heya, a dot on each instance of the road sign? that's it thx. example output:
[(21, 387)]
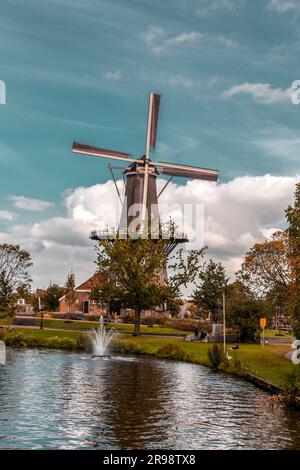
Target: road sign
[(262, 322)]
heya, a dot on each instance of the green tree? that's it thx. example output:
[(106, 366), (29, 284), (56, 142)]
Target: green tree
[(134, 274), (243, 311), (14, 275), (208, 294), (51, 297), (293, 218), (70, 294)]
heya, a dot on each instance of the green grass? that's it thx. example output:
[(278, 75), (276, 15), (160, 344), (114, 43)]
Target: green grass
[(85, 325), (274, 334), (31, 332)]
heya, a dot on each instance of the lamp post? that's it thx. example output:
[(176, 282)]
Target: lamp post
[(42, 308)]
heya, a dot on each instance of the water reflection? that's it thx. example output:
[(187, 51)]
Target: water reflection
[(57, 400)]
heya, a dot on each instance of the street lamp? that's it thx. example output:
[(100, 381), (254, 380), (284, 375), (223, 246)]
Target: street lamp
[(42, 308)]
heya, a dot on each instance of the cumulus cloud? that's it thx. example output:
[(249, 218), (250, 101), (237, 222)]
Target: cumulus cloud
[(30, 204), (7, 215), (237, 214), (261, 92)]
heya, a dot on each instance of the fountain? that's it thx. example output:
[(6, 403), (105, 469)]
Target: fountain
[(2, 353), (101, 339)]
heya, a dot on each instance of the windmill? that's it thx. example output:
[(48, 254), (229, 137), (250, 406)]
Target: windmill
[(141, 198)]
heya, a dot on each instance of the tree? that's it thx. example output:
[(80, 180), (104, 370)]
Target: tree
[(267, 267), (133, 274), (208, 293), (51, 297), (243, 311), (14, 275), (293, 231), (70, 295)]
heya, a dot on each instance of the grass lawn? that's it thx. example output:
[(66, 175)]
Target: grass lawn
[(47, 333), (85, 325), (274, 334)]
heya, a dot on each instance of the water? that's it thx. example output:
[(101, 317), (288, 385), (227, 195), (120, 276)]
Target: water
[(69, 401)]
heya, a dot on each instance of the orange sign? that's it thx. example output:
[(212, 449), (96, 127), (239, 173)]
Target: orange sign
[(262, 322)]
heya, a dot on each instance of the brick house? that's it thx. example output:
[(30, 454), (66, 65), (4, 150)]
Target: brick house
[(83, 303)]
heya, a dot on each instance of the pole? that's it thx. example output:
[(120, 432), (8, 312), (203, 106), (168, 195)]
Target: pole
[(263, 337), (224, 324), (42, 318)]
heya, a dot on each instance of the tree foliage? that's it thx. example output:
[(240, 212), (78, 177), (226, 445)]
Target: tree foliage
[(51, 297), (243, 311), (14, 275), (70, 295), (293, 231), (267, 266), (134, 274), (208, 294)]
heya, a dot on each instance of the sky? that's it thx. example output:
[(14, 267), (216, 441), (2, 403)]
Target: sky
[(82, 70)]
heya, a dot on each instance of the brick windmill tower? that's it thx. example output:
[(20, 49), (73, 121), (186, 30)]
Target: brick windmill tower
[(140, 205)]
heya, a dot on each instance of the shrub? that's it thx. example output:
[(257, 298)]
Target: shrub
[(84, 343), (15, 340), (18, 340), (293, 385), (216, 356), (296, 330), (175, 351), (124, 347)]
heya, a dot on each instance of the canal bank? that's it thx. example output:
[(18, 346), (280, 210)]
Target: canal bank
[(266, 367)]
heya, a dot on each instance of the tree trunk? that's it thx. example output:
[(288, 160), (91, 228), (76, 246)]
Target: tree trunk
[(137, 322)]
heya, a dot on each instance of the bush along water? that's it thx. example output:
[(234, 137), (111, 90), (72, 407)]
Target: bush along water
[(216, 357), (18, 340)]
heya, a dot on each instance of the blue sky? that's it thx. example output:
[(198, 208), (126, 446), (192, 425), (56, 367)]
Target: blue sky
[(82, 69)]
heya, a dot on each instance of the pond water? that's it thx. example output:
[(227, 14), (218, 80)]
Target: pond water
[(55, 400)]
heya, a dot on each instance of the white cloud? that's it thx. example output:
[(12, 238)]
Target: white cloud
[(237, 214), (282, 6), (261, 92), (7, 215), (30, 204), (113, 75), (155, 38)]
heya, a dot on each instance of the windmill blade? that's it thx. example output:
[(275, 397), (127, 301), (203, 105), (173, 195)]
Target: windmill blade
[(186, 171), (154, 101), (99, 152)]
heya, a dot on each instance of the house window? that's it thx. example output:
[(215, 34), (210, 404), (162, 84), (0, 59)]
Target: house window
[(77, 301)]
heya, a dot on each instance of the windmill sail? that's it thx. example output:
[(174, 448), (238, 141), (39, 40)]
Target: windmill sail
[(140, 205), (154, 119), (186, 171), (100, 152)]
